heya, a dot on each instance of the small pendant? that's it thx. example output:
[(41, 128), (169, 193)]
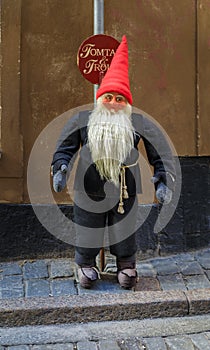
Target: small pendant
[(125, 193), (121, 209)]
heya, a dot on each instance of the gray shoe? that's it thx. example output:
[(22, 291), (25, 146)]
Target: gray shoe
[(127, 278), (126, 272), (87, 276)]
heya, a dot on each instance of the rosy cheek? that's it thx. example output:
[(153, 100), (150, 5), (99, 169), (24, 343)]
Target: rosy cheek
[(108, 105), (121, 105), (115, 106)]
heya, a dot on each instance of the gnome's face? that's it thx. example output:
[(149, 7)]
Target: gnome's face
[(110, 135), (114, 101)]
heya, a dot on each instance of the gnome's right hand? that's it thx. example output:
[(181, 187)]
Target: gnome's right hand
[(59, 178)]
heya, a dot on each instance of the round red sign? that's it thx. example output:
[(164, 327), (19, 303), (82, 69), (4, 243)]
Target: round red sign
[(95, 55)]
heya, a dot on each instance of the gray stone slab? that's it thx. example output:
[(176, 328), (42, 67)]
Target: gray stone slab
[(200, 341), (36, 269), (205, 250), (133, 344), (61, 268), (204, 262), (18, 347), (183, 257), (147, 283), (204, 253), (37, 288), (191, 268), (203, 258), (12, 287), (155, 343), (146, 270), (179, 343), (7, 269), (60, 346), (162, 261), (207, 272), (172, 282), (166, 267), (196, 282), (87, 345), (103, 286), (63, 287), (108, 344)]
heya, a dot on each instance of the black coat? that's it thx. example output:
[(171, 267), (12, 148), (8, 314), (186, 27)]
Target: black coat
[(74, 138)]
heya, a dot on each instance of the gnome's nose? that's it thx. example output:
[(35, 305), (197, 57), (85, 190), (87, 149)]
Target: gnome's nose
[(114, 105)]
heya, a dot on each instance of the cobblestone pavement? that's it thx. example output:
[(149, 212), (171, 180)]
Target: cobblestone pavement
[(190, 342), (43, 278), (56, 277), (159, 334)]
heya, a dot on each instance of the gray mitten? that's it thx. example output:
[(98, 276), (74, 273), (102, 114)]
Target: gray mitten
[(163, 193), (59, 179)]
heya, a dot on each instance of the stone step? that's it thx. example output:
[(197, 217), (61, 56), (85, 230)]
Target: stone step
[(103, 307), (149, 334)]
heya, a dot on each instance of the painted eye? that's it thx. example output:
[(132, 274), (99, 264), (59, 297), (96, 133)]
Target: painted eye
[(108, 97), (120, 99)]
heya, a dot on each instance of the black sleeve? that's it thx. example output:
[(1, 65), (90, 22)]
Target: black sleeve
[(160, 154), (67, 145), (163, 167)]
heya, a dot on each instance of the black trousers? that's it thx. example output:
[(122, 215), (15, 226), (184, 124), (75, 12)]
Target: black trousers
[(92, 216)]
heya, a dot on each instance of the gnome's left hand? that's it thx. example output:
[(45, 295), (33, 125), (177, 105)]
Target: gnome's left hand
[(163, 193), (59, 179)]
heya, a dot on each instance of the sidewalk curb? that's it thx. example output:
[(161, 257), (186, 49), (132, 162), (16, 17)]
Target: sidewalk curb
[(92, 332), (103, 307)]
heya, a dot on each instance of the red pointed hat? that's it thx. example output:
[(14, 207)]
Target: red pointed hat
[(116, 78)]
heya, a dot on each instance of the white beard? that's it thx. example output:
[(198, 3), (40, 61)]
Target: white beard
[(110, 136)]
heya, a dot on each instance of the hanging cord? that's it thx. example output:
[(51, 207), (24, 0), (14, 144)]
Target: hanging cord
[(123, 187), (159, 207)]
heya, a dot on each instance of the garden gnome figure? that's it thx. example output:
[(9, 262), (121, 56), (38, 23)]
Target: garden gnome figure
[(109, 142)]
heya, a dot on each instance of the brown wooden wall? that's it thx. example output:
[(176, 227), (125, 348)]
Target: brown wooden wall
[(169, 50)]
